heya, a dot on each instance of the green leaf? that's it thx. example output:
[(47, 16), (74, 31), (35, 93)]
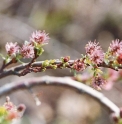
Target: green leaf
[(39, 51), (18, 57), (2, 56), (74, 71), (99, 71), (7, 59)]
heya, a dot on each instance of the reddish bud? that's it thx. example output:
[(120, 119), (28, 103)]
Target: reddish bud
[(114, 118), (120, 112), (119, 58), (66, 59), (21, 107), (79, 65)]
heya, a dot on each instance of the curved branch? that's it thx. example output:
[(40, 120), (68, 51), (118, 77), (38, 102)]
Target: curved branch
[(60, 81)]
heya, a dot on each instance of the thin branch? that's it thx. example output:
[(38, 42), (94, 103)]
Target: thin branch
[(38, 67), (17, 69), (60, 81)]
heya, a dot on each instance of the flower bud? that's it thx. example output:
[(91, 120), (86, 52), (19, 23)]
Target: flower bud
[(66, 59), (120, 112), (114, 118)]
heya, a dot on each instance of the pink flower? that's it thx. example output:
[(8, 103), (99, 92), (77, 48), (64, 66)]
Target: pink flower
[(115, 47), (27, 51), (13, 112), (21, 109), (91, 47), (98, 83), (97, 56), (94, 52), (11, 109), (39, 37), (10, 106), (12, 48), (79, 65)]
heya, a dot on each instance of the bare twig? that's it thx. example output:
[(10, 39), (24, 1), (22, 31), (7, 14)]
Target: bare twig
[(60, 81), (4, 65), (28, 67), (17, 69)]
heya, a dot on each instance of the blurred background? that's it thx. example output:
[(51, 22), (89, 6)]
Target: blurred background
[(70, 24)]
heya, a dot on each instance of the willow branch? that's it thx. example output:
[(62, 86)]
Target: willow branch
[(60, 81)]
